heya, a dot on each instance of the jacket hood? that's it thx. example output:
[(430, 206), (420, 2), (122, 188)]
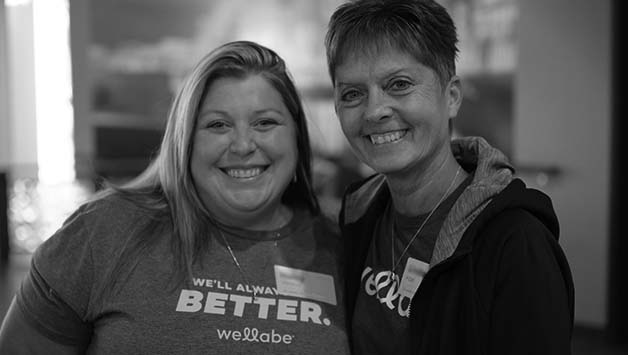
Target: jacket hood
[(491, 191), (491, 173)]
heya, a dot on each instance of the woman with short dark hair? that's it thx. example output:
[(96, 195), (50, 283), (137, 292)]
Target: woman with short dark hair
[(447, 252)]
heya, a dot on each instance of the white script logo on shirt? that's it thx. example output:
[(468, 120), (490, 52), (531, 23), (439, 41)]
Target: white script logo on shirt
[(393, 291)]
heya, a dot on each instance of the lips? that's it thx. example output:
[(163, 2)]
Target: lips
[(387, 137), (244, 172)]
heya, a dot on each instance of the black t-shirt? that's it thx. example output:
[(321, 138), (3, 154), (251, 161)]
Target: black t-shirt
[(381, 317)]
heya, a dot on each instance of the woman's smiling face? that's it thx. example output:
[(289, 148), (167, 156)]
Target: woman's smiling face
[(244, 151), (394, 110)]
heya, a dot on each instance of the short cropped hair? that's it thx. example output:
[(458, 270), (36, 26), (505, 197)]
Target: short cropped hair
[(421, 28)]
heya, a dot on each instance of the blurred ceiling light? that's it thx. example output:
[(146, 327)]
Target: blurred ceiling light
[(53, 91)]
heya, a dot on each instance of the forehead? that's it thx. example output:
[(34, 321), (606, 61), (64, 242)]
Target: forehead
[(234, 93), (375, 62), (227, 85)]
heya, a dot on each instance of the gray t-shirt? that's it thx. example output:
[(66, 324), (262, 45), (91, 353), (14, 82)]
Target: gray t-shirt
[(293, 272)]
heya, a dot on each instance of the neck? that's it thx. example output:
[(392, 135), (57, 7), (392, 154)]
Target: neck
[(420, 189), (269, 221)]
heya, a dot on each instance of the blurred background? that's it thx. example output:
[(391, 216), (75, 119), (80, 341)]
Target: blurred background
[(85, 86)]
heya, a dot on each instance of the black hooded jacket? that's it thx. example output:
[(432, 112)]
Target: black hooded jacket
[(498, 283)]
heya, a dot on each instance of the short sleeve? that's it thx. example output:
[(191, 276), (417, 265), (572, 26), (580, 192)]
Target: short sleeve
[(46, 312), (64, 262), (62, 296)]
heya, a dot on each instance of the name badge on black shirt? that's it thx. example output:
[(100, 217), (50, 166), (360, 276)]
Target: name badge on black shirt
[(412, 276)]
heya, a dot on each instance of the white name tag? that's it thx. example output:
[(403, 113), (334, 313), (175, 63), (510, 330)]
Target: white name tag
[(412, 276), (305, 284)]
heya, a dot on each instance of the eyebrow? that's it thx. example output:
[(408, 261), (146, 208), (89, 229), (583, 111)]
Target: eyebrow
[(384, 76), (225, 113), (268, 110)]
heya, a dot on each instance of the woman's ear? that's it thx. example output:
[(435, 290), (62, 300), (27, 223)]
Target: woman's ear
[(454, 95)]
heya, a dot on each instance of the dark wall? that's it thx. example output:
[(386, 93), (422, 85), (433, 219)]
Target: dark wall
[(122, 152), (618, 264), (134, 20)]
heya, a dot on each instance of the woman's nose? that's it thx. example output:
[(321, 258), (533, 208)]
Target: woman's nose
[(377, 107), (243, 142)]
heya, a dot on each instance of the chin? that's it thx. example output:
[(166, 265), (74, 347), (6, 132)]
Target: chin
[(247, 206), (386, 166), (250, 202)]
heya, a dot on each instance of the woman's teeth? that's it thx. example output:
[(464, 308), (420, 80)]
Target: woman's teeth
[(388, 137), (244, 173)]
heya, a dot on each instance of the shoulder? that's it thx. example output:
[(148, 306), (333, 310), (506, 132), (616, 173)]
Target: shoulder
[(517, 248), (517, 213), (95, 220), (114, 206), (93, 235), (360, 196), (76, 258), (516, 242), (516, 220), (323, 227), (514, 226)]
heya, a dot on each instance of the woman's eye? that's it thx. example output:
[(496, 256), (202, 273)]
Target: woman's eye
[(266, 123), (350, 95), (400, 85), (217, 126)]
